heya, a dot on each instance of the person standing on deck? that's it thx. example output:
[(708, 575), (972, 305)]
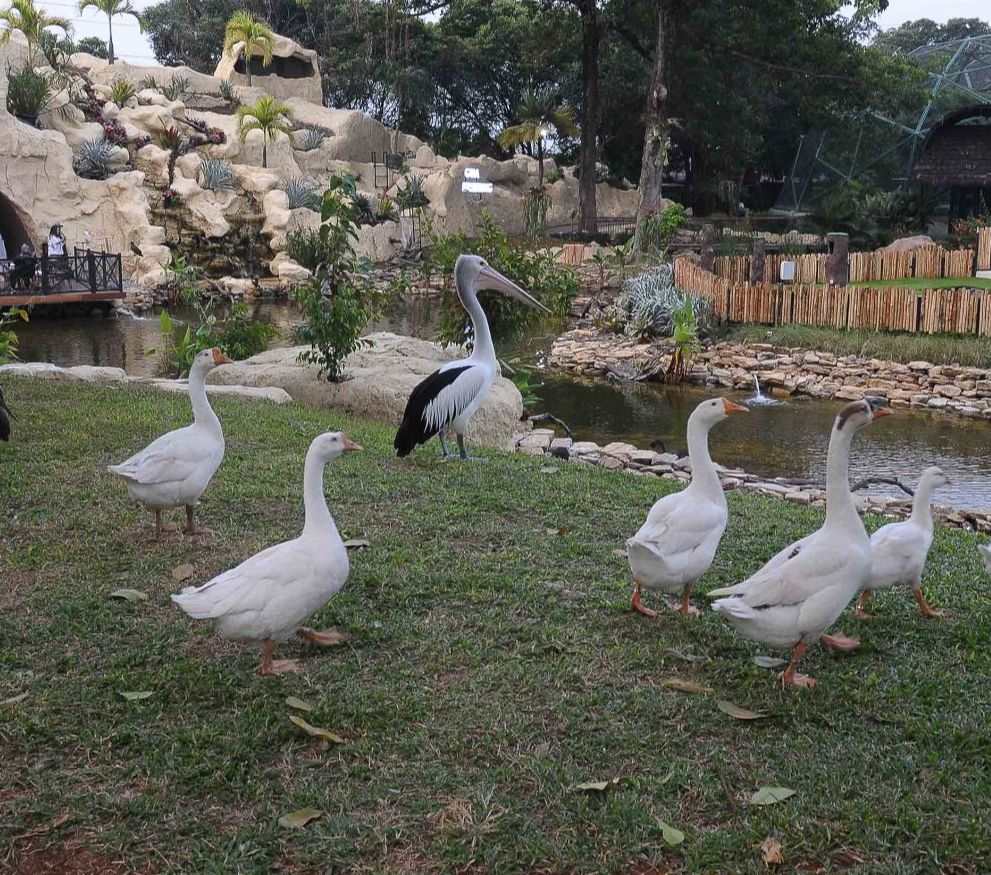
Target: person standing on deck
[(56, 242)]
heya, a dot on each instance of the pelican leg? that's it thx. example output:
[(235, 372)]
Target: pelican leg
[(445, 452), (464, 452)]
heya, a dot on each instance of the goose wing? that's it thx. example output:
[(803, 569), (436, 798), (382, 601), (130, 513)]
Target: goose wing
[(675, 525), (168, 459), (897, 548)]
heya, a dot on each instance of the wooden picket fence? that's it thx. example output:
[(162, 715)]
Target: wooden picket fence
[(984, 249), (927, 261), (894, 308)]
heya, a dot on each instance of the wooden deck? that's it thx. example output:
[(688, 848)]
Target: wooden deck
[(18, 299)]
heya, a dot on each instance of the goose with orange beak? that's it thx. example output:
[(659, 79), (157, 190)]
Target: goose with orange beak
[(450, 396), (175, 469), (268, 597), (676, 545), (803, 589)]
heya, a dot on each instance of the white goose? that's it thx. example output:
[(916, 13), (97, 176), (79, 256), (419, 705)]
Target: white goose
[(267, 597), (802, 590), (175, 469), (449, 397), (677, 543), (985, 551), (899, 550)]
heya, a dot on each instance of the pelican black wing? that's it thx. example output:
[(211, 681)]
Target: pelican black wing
[(414, 429)]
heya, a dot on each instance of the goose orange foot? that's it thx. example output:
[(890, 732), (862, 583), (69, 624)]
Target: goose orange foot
[(924, 608), (790, 676), (326, 638), (271, 666), (859, 611), (638, 605), (686, 608), (840, 642)]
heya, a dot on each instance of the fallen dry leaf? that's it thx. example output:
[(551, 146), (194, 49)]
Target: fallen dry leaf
[(738, 712), (298, 704), (685, 686), (128, 595), (134, 695), (183, 572), (770, 850), (770, 662), (356, 543), (597, 786), (771, 795), (297, 819), (671, 835), (316, 731), (13, 700), (54, 823)]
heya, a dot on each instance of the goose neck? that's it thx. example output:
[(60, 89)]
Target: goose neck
[(922, 513), (705, 478), (203, 414), (317, 515), (840, 506)]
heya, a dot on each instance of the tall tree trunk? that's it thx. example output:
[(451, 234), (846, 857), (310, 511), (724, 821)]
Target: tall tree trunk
[(110, 39), (591, 36), (265, 149), (247, 65), (656, 121), (540, 163)]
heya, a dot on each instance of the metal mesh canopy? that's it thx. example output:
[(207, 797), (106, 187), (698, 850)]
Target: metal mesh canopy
[(880, 148)]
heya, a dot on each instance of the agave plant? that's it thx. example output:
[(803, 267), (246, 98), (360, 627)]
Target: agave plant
[(94, 159), (536, 203), (412, 196), (178, 87), (147, 82), (308, 139), (121, 91), (29, 93), (385, 209), (216, 175), (649, 304), (228, 91), (362, 209), (301, 193)]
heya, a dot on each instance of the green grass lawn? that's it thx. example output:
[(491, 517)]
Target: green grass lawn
[(493, 665), (948, 282)]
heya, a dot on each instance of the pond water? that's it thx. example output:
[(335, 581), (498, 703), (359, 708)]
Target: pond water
[(785, 439)]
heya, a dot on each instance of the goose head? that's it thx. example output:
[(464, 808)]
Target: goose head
[(933, 477), (716, 410), (332, 444), (473, 274), (208, 359), (859, 414)]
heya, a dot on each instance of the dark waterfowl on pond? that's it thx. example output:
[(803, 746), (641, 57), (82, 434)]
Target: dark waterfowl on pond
[(5, 417)]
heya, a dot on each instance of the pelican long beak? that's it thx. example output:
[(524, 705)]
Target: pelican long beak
[(350, 446), (732, 407), (489, 278)]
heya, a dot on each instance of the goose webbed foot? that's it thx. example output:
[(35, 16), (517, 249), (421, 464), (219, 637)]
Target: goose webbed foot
[(924, 607), (325, 638), (686, 608), (790, 676), (638, 605), (271, 666), (859, 611), (840, 642)]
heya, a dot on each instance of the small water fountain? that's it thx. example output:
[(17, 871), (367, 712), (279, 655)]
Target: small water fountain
[(760, 399)]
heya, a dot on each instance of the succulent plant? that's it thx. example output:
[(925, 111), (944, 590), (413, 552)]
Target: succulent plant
[(228, 91), (301, 193), (217, 175), (121, 91), (308, 139), (650, 303), (178, 87), (94, 159)]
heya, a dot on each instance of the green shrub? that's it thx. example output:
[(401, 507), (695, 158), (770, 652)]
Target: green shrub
[(340, 299), (177, 89), (536, 203), (242, 335), (364, 213), (553, 284), (649, 306), (228, 91), (29, 93), (555, 174), (412, 196), (303, 245), (385, 210), (655, 233), (8, 337)]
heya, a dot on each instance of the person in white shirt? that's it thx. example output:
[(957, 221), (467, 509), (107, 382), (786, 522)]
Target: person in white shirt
[(56, 242), (3, 249)]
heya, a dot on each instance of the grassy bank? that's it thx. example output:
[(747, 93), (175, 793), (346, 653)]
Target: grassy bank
[(946, 282), (940, 349), (493, 666)]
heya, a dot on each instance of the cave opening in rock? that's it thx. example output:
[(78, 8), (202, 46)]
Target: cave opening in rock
[(12, 229), (285, 68)]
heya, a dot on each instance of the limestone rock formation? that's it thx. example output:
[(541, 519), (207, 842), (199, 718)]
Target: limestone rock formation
[(294, 71), (379, 379)]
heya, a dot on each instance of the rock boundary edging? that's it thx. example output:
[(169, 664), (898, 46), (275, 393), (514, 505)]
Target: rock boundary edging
[(619, 456), (954, 389)]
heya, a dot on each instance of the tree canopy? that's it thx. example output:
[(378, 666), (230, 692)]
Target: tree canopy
[(744, 80)]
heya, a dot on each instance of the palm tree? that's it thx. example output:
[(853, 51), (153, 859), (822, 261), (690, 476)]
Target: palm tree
[(24, 16), (268, 115), (539, 114), (243, 27), (112, 8)]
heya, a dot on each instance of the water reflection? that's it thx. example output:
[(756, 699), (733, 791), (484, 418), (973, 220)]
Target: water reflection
[(781, 440)]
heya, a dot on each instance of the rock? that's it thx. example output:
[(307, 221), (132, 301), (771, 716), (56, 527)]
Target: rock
[(610, 462), (540, 442), (378, 381), (909, 244), (581, 448), (257, 393), (294, 71), (920, 366), (77, 374), (564, 444)]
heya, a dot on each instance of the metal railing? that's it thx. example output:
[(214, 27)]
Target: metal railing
[(81, 272)]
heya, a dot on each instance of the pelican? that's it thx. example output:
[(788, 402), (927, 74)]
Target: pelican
[(449, 397), (5, 417)]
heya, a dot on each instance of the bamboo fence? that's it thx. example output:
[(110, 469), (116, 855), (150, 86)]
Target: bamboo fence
[(894, 308), (984, 249)]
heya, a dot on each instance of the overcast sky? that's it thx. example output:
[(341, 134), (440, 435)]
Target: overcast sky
[(132, 46)]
